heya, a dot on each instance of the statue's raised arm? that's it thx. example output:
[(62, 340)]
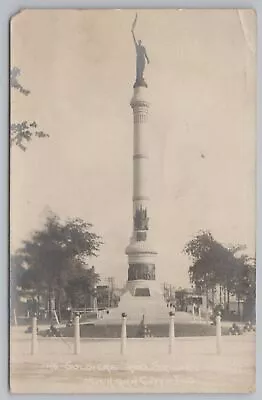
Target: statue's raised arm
[(133, 30), (141, 58), (134, 38)]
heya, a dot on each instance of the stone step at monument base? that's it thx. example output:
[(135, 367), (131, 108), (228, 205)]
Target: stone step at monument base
[(141, 298), (153, 308)]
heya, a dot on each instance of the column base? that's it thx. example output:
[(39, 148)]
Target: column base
[(144, 288)]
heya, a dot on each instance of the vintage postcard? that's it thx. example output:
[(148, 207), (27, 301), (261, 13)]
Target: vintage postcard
[(132, 199)]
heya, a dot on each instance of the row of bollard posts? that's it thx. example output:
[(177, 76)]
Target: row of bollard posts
[(34, 341), (171, 333)]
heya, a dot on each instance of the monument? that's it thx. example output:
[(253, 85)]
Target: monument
[(142, 302), (143, 298), (141, 255)]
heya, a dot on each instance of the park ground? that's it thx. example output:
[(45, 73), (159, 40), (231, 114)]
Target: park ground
[(146, 367)]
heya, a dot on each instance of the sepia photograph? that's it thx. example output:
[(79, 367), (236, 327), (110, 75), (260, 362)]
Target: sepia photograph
[(132, 201)]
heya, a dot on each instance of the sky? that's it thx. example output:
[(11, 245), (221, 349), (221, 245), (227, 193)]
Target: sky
[(80, 66)]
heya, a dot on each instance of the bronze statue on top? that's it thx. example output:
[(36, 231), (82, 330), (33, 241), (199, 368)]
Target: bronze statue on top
[(141, 59)]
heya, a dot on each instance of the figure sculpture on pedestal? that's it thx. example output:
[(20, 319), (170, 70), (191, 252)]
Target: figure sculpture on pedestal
[(141, 58), (141, 219)]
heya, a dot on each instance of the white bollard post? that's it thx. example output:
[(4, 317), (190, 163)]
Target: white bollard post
[(218, 333), (171, 332), (15, 318), (123, 334), (193, 311), (77, 334), (34, 343)]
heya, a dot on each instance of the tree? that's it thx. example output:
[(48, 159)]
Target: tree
[(53, 253), (214, 264), (245, 280), (16, 272), (204, 252), (80, 286), (22, 132)]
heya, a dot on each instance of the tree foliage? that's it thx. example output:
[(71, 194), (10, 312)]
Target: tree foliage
[(80, 286), (22, 132), (57, 256), (17, 271), (14, 83), (214, 264)]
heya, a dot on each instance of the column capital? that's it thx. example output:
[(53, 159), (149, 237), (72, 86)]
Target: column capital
[(138, 103), (139, 98)]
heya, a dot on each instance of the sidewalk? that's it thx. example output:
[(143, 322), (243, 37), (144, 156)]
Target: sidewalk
[(193, 367)]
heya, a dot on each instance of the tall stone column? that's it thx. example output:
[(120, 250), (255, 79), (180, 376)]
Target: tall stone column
[(141, 256)]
